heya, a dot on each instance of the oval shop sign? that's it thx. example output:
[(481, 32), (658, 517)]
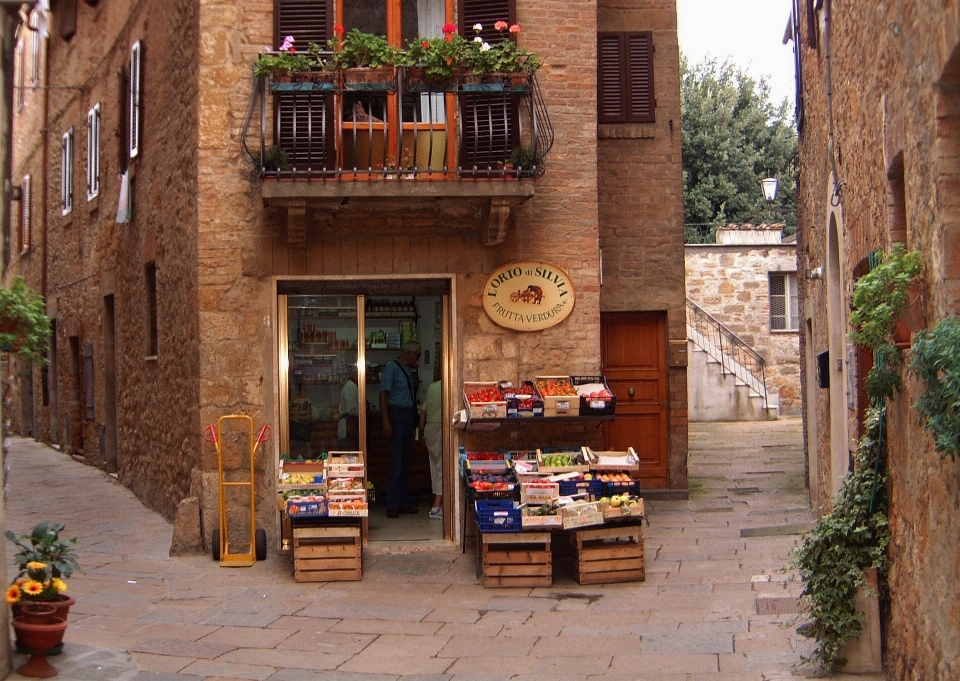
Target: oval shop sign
[(528, 296)]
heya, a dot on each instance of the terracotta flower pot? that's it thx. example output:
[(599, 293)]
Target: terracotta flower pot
[(39, 633), (61, 608)]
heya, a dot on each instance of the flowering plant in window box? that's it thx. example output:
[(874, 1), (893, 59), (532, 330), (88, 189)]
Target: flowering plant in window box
[(287, 65), (503, 57), (438, 59)]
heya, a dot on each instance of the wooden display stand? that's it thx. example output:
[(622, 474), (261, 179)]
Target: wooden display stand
[(609, 554), (330, 553), (516, 559)]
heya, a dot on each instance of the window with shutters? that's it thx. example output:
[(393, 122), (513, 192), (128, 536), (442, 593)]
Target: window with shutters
[(784, 313), (625, 78), (68, 18), (26, 215), (66, 172), (19, 70), (93, 152), (35, 50), (135, 87)]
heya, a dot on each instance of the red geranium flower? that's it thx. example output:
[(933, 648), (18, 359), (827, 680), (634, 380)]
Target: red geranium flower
[(338, 29), (449, 28), (425, 44), (515, 28), (500, 25)]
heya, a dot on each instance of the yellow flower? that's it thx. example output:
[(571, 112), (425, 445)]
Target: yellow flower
[(13, 594), (36, 565), (59, 585), (32, 587)]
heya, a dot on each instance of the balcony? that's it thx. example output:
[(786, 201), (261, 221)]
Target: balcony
[(361, 138)]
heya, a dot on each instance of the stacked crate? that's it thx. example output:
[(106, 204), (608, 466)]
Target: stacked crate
[(516, 559), (330, 553), (609, 554)]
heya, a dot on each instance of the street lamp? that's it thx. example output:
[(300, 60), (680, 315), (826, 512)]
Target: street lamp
[(769, 186)]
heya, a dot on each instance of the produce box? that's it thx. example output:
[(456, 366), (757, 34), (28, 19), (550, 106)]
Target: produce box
[(562, 461), (327, 554), (484, 400), (559, 396), (485, 485), (581, 515), (498, 516), (538, 492), (604, 555), (301, 467), (572, 487), (345, 485), (596, 398), (523, 401), (613, 461), (353, 504), (307, 506), (531, 519), (632, 508), (618, 486), (348, 464), (515, 559)]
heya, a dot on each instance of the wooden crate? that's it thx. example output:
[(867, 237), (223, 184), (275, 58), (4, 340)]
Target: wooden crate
[(327, 554), (516, 559), (609, 554)]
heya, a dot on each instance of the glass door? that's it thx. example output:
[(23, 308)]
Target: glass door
[(323, 388)]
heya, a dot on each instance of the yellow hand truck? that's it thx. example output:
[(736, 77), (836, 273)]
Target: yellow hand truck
[(257, 546)]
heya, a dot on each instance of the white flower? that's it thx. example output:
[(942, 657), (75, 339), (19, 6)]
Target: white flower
[(477, 27), (478, 39), (485, 47)]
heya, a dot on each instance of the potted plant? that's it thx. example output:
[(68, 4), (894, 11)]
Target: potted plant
[(879, 300), (367, 60), (504, 63), (24, 325), (288, 67), (44, 561), (271, 159), (434, 63)]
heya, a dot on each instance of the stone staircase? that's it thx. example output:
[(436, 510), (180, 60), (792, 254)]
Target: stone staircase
[(725, 376)]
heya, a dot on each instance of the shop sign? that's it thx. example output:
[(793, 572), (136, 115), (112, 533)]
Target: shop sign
[(528, 296)]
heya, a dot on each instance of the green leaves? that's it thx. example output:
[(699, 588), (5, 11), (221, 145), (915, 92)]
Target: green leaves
[(936, 361), (44, 545), (24, 325), (732, 137)]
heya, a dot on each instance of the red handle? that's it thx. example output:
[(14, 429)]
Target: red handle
[(264, 433), (210, 434)]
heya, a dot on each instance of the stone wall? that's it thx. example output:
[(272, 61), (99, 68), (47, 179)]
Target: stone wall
[(894, 70), (731, 282)]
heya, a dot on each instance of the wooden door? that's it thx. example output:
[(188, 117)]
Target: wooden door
[(633, 346)]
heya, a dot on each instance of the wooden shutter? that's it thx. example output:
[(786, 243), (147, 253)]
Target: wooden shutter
[(305, 125), (68, 18), (308, 21), (66, 173), (487, 132), (625, 78), (136, 86), (123, 101), (486, 13), (26, 228)]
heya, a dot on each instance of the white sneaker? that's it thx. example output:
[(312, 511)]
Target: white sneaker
[(436, 513)]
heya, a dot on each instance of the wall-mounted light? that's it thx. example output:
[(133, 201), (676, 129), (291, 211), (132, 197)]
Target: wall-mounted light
[(815, 273), (769, 186), (16, 193)]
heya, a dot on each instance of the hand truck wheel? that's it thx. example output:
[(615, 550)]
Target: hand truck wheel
[(216, 544), (261, 544)]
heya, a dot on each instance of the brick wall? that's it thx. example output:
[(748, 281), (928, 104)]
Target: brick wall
[(894, 80)]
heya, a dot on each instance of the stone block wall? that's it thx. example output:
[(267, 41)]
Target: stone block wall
[(731, 282), (892, 92)]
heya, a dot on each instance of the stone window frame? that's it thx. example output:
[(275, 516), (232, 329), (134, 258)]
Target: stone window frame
[(66, 172), (93, 152), (789, 320)]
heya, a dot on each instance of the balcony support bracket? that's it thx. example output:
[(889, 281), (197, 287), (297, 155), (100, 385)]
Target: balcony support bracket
[(494, 228), (297, 223)]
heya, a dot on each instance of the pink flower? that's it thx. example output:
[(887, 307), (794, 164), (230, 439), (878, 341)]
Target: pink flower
[(515, 28), (449, 28), (500, 25), (287, 44)]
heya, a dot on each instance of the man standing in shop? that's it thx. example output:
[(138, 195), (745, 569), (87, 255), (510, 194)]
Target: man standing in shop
[(398, 405)]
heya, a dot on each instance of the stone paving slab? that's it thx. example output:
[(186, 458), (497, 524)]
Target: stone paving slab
[(423, 616)]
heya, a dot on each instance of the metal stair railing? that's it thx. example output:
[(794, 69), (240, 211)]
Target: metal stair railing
[(734, 355)]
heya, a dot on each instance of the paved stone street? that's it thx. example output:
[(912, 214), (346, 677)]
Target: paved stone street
[(714, 605)]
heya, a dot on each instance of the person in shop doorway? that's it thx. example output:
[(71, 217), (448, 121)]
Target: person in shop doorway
[(398, 405), (432, 429), (348, 427)]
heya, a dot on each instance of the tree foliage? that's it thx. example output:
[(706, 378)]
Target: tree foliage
[(734, 136)]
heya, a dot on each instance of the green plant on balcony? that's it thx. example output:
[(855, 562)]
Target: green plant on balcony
[(24, 325), (505, 56), (357, 49), (440, 58), (272, 158), (937, 362), (288, 60)]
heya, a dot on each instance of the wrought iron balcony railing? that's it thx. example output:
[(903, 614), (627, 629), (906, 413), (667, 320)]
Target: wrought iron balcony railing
[(380, 126)]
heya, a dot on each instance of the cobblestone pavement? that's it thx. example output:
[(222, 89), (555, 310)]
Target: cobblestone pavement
[(714, 607)]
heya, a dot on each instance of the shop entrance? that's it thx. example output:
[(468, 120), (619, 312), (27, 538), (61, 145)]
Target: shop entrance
[(633, 346), (335, 338)]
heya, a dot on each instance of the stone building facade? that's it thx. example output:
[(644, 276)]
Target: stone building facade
[(179, 309), (878, 127), (734, 280)]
